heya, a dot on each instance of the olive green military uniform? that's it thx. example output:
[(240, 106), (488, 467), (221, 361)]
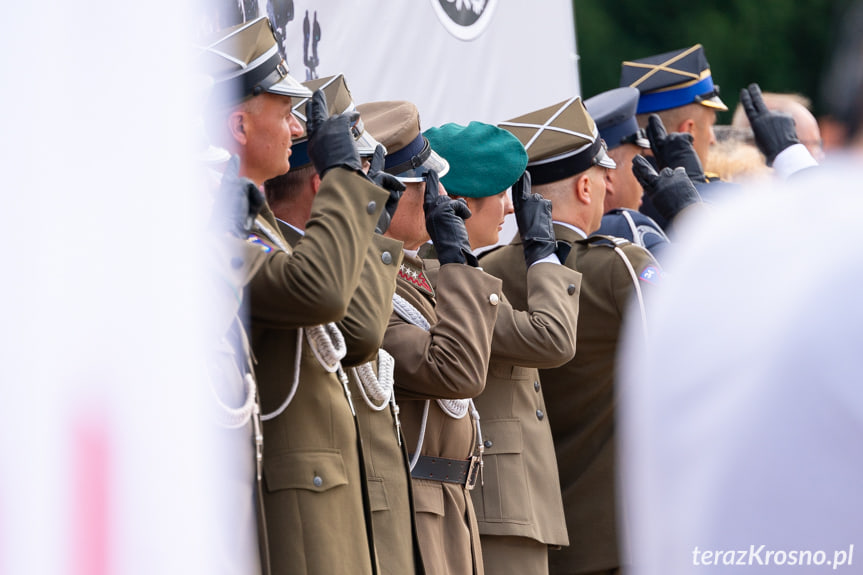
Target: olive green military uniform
[(448, 361), (579, 395), (315, 499), (386, 463), (520, 496)]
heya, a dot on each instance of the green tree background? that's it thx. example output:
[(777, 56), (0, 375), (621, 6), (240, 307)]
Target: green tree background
[(783, 45)]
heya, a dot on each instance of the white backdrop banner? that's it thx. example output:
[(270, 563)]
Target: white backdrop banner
[(457, 60)]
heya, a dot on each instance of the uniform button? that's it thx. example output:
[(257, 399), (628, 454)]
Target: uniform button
[(371, 207), (494, 299), (387, 258), (539, 414), (488, 443), (536, 386), (571, 289), (236, 263), (317, 481)]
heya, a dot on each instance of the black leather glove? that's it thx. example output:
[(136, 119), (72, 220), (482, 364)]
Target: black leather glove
[(445, 224), (331, 143), (388, 182), (669, 190), (237, 202), (674, 150), (774, 131), (533, 217)]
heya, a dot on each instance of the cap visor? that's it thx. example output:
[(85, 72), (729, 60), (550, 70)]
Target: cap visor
[(715, 103), (366, 144), (604, 159), (433, 162), (289, 86)]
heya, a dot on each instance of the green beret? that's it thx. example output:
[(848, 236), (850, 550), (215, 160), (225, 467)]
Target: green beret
[(484, 160)]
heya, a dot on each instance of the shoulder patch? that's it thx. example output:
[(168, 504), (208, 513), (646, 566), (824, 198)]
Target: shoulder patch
[(651, 275), (416, 277), (253, 239)]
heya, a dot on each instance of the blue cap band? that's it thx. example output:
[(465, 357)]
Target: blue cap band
[(657, 101), (408, 157), (300, 154), (614, 135)]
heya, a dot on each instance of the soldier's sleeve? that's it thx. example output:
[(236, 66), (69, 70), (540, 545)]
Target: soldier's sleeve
[(372, 303), (451, 359), (314, 284), (544, 335)]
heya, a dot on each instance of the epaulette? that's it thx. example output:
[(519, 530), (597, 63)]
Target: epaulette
[(608, 241)]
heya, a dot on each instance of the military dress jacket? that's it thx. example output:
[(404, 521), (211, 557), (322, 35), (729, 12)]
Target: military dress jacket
[(520, 493), (315, 498), (231, 263), (384, 454), (449, 361), (580, 395)]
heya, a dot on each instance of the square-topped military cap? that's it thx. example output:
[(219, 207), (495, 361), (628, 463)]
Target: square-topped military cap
[(614, 114), (396, 124), (561, 141), (339, 101), (244, 61), (671, 80)]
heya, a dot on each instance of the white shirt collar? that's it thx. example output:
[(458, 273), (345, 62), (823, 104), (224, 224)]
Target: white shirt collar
[(293, 227), (576, 229)]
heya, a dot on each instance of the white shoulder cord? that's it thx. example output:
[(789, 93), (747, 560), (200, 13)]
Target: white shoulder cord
[(632, 228), (638, 293), (235, 418), (455, 408), (326, 342), (294, 384), (376, 388), (250, 410)]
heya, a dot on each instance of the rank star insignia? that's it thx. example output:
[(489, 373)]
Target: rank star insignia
[(416, 278)]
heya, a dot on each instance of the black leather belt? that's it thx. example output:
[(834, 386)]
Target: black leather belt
[(461, 471)]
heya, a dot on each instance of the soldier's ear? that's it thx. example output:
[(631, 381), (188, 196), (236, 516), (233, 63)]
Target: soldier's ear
[(583, 189), (237, 126), (687, 125)]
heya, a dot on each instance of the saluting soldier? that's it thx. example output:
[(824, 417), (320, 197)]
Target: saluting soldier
[(315, 499), (440, 336), (614, 114), (371, 379), (518, 502), (567, 163), (678, 87), (232, 262)]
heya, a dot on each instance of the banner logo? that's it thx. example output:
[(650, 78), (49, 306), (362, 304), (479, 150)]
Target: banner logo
[(464, 19)]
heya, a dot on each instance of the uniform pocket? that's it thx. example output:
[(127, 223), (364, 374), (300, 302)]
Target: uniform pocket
[(316, 471), (378, 494), (428, 496), (504, 496)]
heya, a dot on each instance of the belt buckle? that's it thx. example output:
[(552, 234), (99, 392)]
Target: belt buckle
[(473, 471)]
